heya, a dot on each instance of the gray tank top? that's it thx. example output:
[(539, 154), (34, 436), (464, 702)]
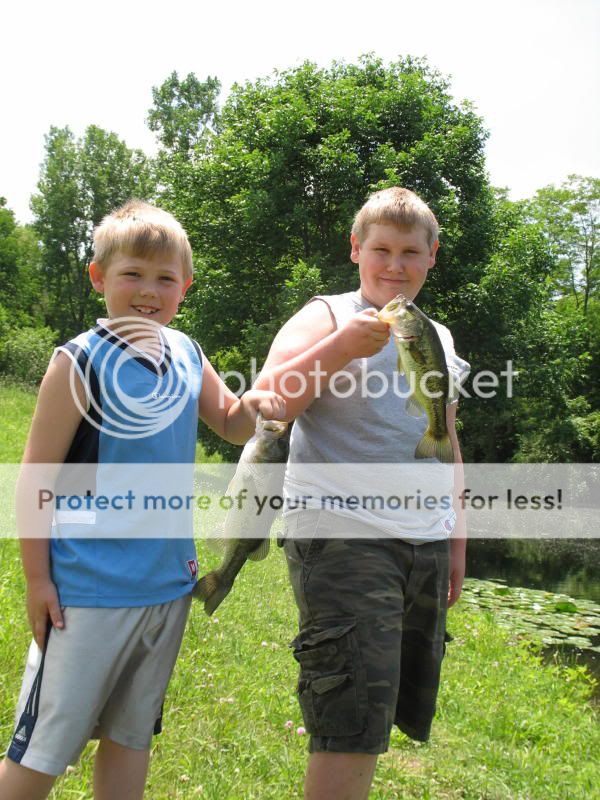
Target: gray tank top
[(360, 443)]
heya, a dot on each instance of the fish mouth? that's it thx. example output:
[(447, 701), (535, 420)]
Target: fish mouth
[(387, 316), (277, 428), (273, 425)]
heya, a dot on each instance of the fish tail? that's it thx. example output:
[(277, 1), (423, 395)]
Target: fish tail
[(432, 446), (212, 590)]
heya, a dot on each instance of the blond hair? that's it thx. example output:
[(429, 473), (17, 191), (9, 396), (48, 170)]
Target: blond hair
[(396, 206), (144, 231)]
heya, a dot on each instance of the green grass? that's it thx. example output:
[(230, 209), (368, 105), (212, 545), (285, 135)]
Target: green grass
[(17, 403), (508, 726)]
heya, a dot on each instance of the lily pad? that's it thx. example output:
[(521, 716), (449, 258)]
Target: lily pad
[(566, 608), (551, 619)]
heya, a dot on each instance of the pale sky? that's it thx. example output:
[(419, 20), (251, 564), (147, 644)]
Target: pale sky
[(531, 67)]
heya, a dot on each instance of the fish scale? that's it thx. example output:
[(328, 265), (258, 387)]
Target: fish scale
[(246, 535), (420, 352)]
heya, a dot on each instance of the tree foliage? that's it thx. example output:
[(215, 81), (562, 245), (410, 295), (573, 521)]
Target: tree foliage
[(275, 177), (21, 288), (570, 217), (182, 110), (81, 181)]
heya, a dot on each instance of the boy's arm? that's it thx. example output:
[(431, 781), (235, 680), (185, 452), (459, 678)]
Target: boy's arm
[(458, 540), (309, 349), (230, 417), (53, 427)]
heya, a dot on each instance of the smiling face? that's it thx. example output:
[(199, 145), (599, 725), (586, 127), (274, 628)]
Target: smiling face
[(150, 289), (392, 260)]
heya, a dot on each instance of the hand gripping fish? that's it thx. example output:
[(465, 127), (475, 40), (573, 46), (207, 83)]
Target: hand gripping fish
[(422, 359), (246, 534)]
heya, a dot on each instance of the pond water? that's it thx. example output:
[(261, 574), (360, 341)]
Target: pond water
[(564, 566), (568, 567)]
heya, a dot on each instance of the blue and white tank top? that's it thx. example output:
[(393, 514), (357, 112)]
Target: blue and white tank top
[(142, 412)]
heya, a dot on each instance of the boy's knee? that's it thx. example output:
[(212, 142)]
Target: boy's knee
[(21, 783)]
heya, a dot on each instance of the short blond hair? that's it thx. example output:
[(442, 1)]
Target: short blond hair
[(396, 206), (144, 231)]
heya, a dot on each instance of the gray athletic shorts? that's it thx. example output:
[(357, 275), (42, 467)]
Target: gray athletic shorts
[(372, 631), (104, 674)]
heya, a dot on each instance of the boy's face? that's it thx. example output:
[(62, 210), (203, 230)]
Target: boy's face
[(392, 260), (141, 287)]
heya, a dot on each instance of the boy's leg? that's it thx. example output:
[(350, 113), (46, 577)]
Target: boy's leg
[(119, 772), (349, 592), (423, 635), (339, 776), (21, 783)]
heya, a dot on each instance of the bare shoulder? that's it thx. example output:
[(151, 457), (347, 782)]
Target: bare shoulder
[(62, 382), (61, 402), (311, 324)]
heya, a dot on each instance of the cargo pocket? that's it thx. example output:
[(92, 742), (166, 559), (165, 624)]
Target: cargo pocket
[(332, 688)]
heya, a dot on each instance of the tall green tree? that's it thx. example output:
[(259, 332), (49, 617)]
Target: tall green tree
[(21, 286), (513, 313), (182, 116), (269, 190), (182, 110), (8, 254), (570, 217), (81, 181)]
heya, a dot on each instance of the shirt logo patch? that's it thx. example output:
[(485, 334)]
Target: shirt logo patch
[(450, 521), (193, 567)]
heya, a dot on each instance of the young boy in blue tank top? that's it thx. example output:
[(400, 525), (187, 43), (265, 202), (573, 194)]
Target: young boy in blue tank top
[(372, 584), (108, 611)]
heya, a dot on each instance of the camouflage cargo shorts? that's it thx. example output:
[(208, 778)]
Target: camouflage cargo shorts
[(372, 630)]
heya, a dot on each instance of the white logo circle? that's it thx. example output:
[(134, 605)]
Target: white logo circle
[(120, 413)]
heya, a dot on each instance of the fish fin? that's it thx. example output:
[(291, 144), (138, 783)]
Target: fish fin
[(212, 591), (261, 551), (413, 407), (431, 446), (217, 543)]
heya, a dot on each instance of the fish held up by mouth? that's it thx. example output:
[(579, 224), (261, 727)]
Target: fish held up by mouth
[(246, 530), (422, 359)]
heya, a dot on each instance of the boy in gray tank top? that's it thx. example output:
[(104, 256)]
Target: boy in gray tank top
[(372, 582)]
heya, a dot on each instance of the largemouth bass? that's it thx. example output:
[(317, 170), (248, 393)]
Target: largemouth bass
[(422, 359), (246, 533)]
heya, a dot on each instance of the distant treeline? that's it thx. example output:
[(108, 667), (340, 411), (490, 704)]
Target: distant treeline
[(266, 185)]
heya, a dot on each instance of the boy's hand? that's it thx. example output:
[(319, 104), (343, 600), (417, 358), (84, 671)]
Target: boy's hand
[(364, 334), (270, 404), (42, 602)]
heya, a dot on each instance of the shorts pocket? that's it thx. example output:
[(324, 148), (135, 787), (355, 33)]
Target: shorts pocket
[(301, 541), (332, 687)]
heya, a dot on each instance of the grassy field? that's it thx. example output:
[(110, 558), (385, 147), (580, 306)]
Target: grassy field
[(508, 726)]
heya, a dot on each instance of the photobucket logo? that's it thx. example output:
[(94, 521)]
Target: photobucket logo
[(374, 384), (116, 405)]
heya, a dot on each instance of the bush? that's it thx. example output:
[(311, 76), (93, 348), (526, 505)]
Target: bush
[(25, 353)]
